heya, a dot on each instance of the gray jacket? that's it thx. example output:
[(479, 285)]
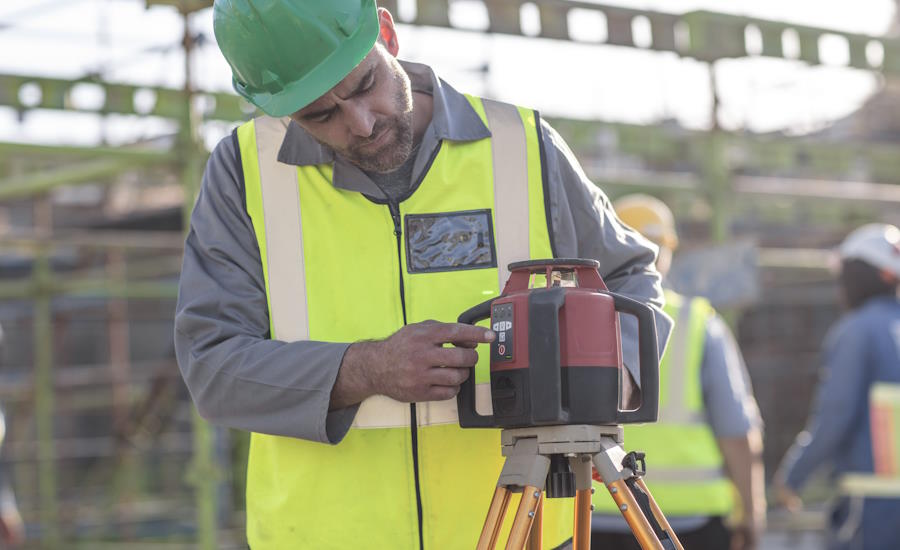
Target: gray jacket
[(240, 378)]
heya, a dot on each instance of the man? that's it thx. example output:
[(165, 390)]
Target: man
[(707, 442), (861, 351), (329, 253), (12, 528)]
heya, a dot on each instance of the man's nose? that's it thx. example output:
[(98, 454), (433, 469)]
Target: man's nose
[(359, 119)]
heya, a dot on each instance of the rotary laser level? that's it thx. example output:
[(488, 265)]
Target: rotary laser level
[(555, 378)]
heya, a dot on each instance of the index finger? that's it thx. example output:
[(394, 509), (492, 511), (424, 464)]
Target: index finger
[(462, 334)]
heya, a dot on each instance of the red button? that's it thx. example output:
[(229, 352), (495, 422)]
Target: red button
[(501, 349)]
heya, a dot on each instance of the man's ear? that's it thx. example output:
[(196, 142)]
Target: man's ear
[(387, 34)]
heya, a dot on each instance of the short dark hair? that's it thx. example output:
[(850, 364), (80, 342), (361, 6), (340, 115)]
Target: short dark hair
[(861, 281)]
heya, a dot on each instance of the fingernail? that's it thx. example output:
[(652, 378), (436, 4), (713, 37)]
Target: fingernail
[(489, 335)]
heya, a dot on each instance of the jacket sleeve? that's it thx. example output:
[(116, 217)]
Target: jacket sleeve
[(584, 225), (839, 406), (236, 375), (729, 405)]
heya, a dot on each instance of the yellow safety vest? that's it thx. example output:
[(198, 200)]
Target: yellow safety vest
[(684, 465), (336, 270)]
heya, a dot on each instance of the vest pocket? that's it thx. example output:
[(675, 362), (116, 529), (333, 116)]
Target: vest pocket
[(450, 241)]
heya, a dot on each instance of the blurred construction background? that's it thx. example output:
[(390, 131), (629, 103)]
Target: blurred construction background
[(772, 130)]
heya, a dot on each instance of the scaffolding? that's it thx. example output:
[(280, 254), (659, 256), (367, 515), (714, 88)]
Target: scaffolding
[(115, 271)]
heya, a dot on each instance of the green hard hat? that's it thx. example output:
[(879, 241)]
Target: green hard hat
[(284, 54)]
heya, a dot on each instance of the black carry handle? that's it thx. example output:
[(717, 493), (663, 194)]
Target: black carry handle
[(544, 368), (649, 360), (465, 399)]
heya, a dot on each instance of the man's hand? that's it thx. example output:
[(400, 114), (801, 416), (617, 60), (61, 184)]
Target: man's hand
[(786, 496), (12, 529), (743, 462), (416, 366), (411, 365), (746, 536)]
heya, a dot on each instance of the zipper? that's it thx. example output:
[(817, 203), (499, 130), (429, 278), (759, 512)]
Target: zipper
[(413, 425), (393, 206), (398, 232)]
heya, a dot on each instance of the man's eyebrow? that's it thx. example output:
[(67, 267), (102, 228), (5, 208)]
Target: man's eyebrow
[(364, 81), (360, 86)]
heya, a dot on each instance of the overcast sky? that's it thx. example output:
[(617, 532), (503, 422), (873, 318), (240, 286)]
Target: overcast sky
[(123, 41)]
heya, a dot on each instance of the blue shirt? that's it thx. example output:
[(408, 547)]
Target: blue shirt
[(861, 349), (728, 402)]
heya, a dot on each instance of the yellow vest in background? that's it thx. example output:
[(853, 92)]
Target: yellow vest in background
[(685, 470), (342, 267)]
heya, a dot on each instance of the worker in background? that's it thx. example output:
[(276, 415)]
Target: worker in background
[(707, 442), (333, 244), (12, 529), (860, 351)]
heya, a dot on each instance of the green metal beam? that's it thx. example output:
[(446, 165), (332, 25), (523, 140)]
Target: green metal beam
[(141, 290), (97, 239), (843, 192), (836, 191), (43, 404), (717, 178), (709, 36), (668, 149), (703, 35), (23, 289), (23, 92), (715, 36), (94, 171), (126, 153), (204, 472)]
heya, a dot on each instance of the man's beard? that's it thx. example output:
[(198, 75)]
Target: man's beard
[(398, 146)]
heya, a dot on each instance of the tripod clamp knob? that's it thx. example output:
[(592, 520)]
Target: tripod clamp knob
[(635, 462)]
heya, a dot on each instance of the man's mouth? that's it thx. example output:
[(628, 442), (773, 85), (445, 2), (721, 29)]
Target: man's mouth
[(378, 141)]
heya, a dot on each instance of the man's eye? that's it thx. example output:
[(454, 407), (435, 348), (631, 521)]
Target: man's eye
[(368, 87), (324, 117)]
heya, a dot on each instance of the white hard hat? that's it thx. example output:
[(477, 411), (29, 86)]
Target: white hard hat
[(876, 244)]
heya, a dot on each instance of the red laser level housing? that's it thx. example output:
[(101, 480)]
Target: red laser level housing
[(557, 358)]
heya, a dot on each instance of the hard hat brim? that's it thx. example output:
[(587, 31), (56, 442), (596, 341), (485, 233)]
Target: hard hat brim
[(876, 244), (322, 78)]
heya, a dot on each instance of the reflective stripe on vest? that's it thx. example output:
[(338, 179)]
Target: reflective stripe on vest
[(884, 422), (332, 273), (684, 465)]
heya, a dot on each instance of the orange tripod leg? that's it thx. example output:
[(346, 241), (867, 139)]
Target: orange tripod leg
[(632, 513), (518, 535), (581, 538), (536, 537), (658, 514), (494, 520)]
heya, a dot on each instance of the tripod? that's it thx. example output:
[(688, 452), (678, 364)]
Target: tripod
[(561, 457)]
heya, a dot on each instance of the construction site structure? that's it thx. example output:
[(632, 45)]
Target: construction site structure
[(105, 444)]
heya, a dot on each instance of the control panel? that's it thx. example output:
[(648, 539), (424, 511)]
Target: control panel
[(502, 325)]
